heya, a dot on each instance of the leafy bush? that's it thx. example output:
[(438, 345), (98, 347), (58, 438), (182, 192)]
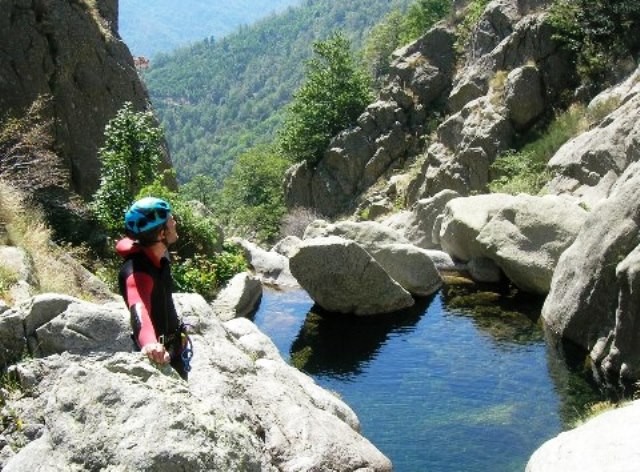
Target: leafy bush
[(206, 274), (519, 172), (251, 203), (601, 32), (525, 171), (336, 91), (130, 159)]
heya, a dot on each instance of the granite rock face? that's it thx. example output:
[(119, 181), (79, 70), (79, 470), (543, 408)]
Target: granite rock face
[(70, 52), (95, 405)]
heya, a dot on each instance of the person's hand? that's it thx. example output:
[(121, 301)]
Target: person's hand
[(157, 353)]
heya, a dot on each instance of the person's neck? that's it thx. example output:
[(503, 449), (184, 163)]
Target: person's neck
[(158, 249)]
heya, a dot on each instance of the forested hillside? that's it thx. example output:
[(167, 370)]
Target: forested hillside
[(218, 98), (152, 26)]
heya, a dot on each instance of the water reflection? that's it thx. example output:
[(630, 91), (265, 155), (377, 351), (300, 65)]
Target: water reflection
[(576, 383), (339, 345), (512, 317)]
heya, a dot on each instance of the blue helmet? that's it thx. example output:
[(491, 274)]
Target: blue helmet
[(146, 214)]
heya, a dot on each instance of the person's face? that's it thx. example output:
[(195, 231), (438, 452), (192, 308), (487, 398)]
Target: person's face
[(170, 231)]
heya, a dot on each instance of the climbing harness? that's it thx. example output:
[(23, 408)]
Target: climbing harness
[(187, 350)]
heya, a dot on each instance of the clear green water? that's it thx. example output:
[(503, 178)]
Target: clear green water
[(464, 381)]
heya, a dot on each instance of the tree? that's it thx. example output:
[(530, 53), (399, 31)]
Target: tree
[(335, 92), (201, 188), (422, 15), (130, 159), (383, 39), (252, 199), (602, 33)]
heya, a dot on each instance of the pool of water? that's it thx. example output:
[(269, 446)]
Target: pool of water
[(464, 381)]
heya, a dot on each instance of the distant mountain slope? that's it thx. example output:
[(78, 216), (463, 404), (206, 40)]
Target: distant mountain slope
[(216, 99), (152, 26)]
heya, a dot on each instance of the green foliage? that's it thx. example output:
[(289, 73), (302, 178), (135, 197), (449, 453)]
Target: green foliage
[(206, 274), (201, 188), (600, 32), (252, 200), (519, 172), (219, 98), (196, 274), (130, 159), (203, 263), (383, 39), (472, 14), (422, 15), (526, 171), (334, 94), (398, 28)]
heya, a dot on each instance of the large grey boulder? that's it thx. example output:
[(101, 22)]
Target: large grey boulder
[(53, 323), (270, 267), (410, 266), (624, 356), (43, 308), (585, 290), (524, 96), (342, 277), (421, 222), (81, 327), (243, 408), (407, 264), (463, 220), (523, 235), (527, 236), (13, 341), (368, 234), (589, 165), (239, 298), (604, 443)]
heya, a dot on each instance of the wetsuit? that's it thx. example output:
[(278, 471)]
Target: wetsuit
[(146, 287)]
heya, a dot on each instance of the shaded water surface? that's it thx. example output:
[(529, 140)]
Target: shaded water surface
[(463, 381)]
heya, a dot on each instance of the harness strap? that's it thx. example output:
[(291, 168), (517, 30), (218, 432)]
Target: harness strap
[(179, 343)]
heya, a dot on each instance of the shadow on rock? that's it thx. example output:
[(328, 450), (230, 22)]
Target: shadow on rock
[(339, 345), (578, 382)]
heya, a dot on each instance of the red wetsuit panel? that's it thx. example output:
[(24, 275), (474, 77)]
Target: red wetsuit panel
[(139, 287)]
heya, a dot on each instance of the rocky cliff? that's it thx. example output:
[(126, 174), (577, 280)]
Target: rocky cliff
[(70, 51), (577, 244), (509, 80)]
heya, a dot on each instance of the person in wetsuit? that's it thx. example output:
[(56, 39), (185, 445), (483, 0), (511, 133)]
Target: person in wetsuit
[(146, 284)]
